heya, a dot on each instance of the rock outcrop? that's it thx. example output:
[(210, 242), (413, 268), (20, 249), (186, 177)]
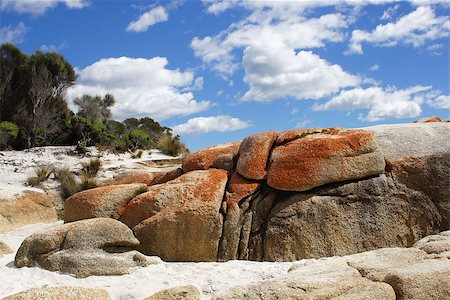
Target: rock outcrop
[(298, 194), (61, 293), (187, 292), (102, 202), (99, 246), (147, 178), (28, 208)]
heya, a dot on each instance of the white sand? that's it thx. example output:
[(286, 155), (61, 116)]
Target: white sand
[(211, 278), (17, 166)]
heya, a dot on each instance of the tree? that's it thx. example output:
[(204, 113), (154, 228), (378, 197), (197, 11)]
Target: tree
[(95, 107)]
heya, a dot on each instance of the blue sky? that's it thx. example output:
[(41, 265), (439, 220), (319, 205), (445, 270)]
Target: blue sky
[(217, 71)]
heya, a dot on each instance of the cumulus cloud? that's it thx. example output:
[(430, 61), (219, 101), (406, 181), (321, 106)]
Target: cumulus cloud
[(39, 7), (390, 12), (142, 87), (381, 103), (150, 18), (11, 34), (203, 125), (441, 101), (415, 28)]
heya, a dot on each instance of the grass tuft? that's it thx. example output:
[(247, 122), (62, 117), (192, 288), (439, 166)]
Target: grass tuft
[(42, 173), (68, 181), (171, 145), (91, 167)]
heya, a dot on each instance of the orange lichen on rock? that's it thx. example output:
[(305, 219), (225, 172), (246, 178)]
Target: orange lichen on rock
[(239, 187), (428, 120), (254, 154), (209, 157), (322, 158)]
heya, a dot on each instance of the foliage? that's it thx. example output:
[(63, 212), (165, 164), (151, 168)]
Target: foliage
[(8, 134), (95, 108), (68, 181), (42, 173), (90, 168), (171, 145)]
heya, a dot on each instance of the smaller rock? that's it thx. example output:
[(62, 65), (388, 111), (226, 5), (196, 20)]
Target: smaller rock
[(254, 153), (61, 293), (147, 178), (435, 244), (206, 158), (187, 292), (5, 249), (428, 120), (102, 202)]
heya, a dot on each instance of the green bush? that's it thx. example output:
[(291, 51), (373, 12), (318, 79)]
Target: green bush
[(138, 138), (8, 135)]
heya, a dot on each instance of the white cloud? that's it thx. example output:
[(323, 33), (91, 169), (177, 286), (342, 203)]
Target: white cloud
[(374, 67), (153, 16), (15, 35), (302, 124), (390, 12), (142, 87), (441, 101), (381, 103), (414, 29), (54, 48), (203, 125), (39, 7)]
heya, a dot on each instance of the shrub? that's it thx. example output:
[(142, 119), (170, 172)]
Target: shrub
[(68, 181), (138, 138), (42, 173), (8, 134), (91, 167), (171, 145)]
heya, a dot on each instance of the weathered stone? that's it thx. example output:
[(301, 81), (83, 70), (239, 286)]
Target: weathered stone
[(147, 178), (187, 292), (254, 153), (435, 244), (5, 249), (83, 248), (187, 225), (428, 120), (206, 158), (102, 202), (317, 159), (61, 293), (362, 215), (323, 279), (28, 208)]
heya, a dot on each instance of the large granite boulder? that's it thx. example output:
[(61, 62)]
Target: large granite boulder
[(61, 293), (187, 223), (28, 208), (148, 178), (254, 153), (316, 159), (213, 157), (100, 246), (187, 292), (102, 202)]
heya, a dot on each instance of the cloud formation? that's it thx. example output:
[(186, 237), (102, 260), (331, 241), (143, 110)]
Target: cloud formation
[(414, 29), (142, 87), (39, 7), (202, 125), (150, 18), (11, 34)]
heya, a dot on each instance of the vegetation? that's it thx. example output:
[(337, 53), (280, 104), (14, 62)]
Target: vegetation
[(90, 168), (68, 181), (137, 154), (42, 173), (34, 110)]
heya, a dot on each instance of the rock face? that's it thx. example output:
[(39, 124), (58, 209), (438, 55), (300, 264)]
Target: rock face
[(61, 293), (188, 226), (388, 273), (320, 158), (83, 248), (188, 292), (29, 208), (5, 249), (296, 194), (210, 157), (148, 178), (102, 202)]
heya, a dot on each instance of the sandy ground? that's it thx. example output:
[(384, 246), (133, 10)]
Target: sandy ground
[(211, 278), (17, 166)]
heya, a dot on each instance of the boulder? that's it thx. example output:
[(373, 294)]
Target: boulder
[(239, 190), (316, 159), (102, 202), (5, 249), (99, 246), (429, 119), (209, 157), (147, 178), (61, 293), (322, 279), (254, 153), (435, 244), (360, 216), (28, 208), (187, 292), (186, 224)]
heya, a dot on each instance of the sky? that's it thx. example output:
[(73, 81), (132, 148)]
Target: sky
[(218, 71)]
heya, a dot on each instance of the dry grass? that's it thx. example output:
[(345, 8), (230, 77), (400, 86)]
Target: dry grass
[(91, 167), (171, 145), (68, 181), (42, 173)]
